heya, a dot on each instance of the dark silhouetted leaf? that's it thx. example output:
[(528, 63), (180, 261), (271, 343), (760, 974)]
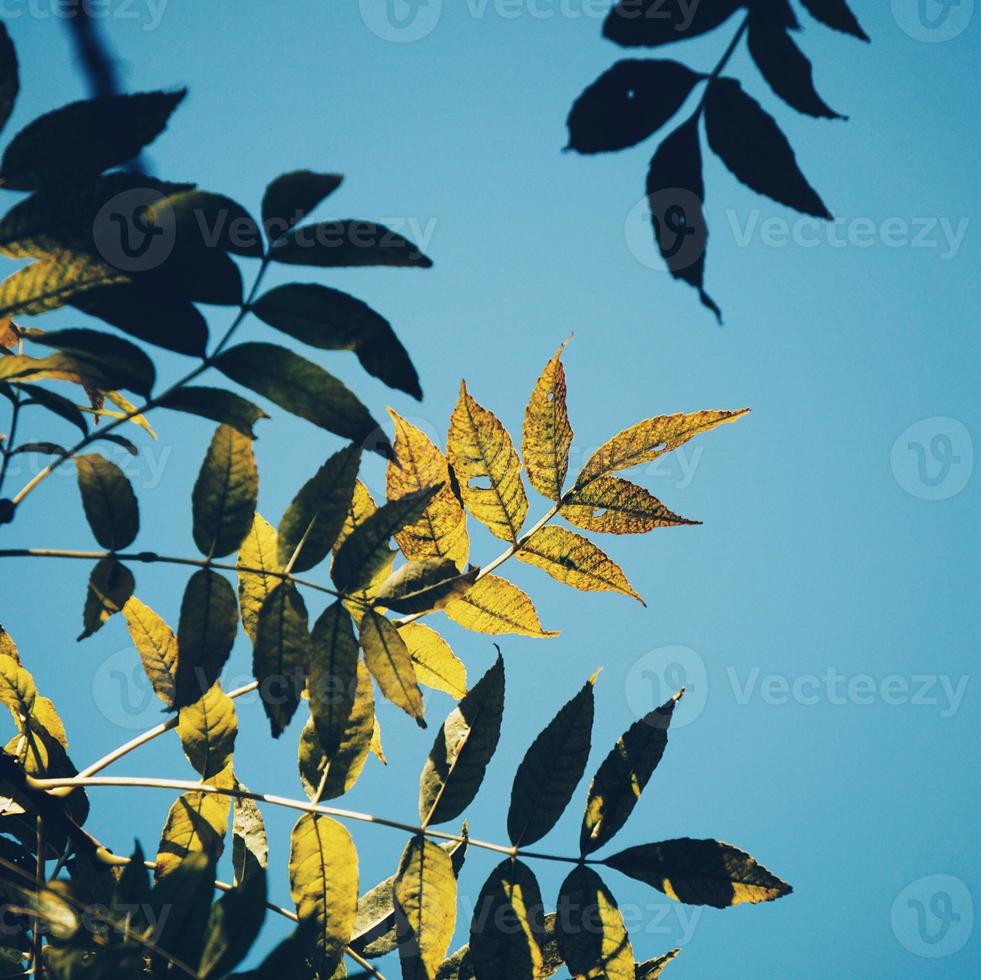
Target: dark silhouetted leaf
[(306, 390), (110, 586), (53, 282), (290, 197), (422, 586), (464, 745), (332, 320), (651, 969), (117, 440), (349, 242), (785, 68), (551, 770), (109, 502), (9, 80), (217, 220), (676, 196), (279, 657), (316, 515), (180, 904), (618, 507), (233, 926), (215, 404), (85, 138), (508, 926), (628, 103), (622, 776), (700, 872), (205, 634), (55, 403), (332, 675), (388, 659), (157, 646), (633, 23), (837, 15), (749, 143), (590, 930), (224, 496)]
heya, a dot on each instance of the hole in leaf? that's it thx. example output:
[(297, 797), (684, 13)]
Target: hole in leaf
[(479, 483)]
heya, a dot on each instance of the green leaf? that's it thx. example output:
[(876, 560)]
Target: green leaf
[(304, 389), (157, 646), (332, 676), (225, 493), (622, 776), (316, 515), (9, 81), (651, 969), (609, 504), (207, 731), (348, 760), (110, 586), (205, 634), (233, 926), (108, 501), (365, 550), (291, 196), (258, 552), (58, 404), (464, 745), (425, 585), (387, 657), (591, 933), (437, 666), (180, 901), (331, 320), (85, 138), (216, 404), (495, 606), (551, 770), (349, 242), (323, 872), (279, 657), (52, 282), (425, 907), (700, 872), (546, 435), (508, 926)]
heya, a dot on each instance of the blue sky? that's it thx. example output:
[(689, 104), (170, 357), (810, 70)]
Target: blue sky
[(821, 615)]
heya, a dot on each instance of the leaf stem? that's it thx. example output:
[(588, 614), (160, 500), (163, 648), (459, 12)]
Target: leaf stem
[(722, 62), (7, 449)]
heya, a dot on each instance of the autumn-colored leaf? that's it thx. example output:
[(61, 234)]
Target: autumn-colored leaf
[(437, 666), (388, 659), (258, 552), (53, 282), (110, 586), (157, 646), (494, 605), (423, 586), (616, 506), (547, 435), (207, 731), (197, 822)]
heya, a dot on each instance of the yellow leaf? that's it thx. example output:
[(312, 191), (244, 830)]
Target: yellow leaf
[(437, 666), (207, 731), (197, 822), (258, 551), (377, 749), (110, 587), (441, 532), (7, 646), (569, 558), (362, 507), (495, 606), (156, 644), (53, 281), (424, 585), (122, 402), (388, 659), (547, 435), (17, 690), (647, 440), (480, 449), (618, 507)]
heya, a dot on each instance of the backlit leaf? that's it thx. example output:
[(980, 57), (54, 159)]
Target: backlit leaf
[(250, 846), (331, 320), (17, 690), (348, 242), (304, 389), (110, 586), (437, 666), (387, 657), (591, 933), (464, 745), (617, 506), (508, 925), (700, 872), (547, 435), (422, 586), (258, 552), (205, 634), (628, 103), (622, 776), (332, 676), (649, 439), (316, 515), (651, 22), (480, 451), (53, 282), (441, 530), (494, 605), (7, 646), (157, 646), (364, 551), (748, 141), (109, 502), (323, 872), (425, 904), (835, 14), (216, 404), (225, 493), (197, 822), (207, 731), (280, 654), (85, 137), (573, 560), (291, 196), (551, 770), (651, 969)]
